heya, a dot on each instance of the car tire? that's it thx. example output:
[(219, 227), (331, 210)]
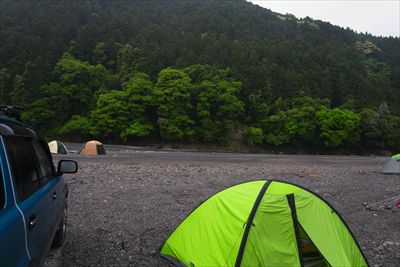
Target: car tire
[(60, 235)]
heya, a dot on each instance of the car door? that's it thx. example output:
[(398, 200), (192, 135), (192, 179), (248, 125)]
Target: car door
[(13, 249), (47, 175), (35, 196), (55, 184)]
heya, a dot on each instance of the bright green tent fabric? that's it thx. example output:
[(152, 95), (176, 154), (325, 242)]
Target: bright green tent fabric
[(396, 156), (211, 234), (258, 224), (272, 242)]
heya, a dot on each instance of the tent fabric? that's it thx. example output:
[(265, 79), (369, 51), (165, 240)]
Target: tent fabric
[(57, 147), (392, 166), (272, 242), (246, 226), (219, 238), (397, 156), (92, 148)]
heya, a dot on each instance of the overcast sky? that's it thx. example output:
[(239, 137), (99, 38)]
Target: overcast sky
[(378, 17)]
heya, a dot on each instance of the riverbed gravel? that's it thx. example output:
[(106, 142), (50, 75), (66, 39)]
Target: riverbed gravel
[(123, 205)]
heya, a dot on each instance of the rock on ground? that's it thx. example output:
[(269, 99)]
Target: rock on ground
[(123, 205)]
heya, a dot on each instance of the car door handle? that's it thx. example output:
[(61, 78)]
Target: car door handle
[(54, 195), (32, 222)]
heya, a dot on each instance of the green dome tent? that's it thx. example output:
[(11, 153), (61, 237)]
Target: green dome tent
[(263, 223), (57, 147)]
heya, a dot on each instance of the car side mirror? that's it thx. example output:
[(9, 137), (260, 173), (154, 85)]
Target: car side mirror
[(67, 166)]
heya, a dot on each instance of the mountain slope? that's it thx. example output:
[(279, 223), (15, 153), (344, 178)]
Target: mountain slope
[(273, 55)]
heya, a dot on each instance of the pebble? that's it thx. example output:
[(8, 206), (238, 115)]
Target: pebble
[(139, 199)]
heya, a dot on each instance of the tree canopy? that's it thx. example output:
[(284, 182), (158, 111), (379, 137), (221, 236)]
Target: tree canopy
[(195, 72)]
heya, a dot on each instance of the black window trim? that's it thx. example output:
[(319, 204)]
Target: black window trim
[(37, 163), (19, 186), (3, 186), (41, 181)]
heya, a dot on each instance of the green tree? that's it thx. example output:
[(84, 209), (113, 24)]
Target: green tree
[(379, 129), (254, 136), (5, 86), (20, 95), (300, 125), (73, 93), (129, 61), (110, 116), (123, 114), (41, 115), (216, 103), (295, 124), (274, 129), (338, 127), (172, 92), (80, 81), (142, 110), (76, 126), (105, 53), (49, 111)]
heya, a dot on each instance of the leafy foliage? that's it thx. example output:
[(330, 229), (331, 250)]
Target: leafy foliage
[(189, 71), (338, 127), (174, 106), (76, 125), (254, 136), (215, 101)]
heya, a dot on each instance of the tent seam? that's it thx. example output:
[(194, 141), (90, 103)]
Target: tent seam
[(250, 222)]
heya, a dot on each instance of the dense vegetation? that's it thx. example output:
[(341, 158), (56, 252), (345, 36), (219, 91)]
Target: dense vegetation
[(212, 72)]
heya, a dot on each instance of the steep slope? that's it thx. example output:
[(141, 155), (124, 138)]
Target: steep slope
[(264, 49)]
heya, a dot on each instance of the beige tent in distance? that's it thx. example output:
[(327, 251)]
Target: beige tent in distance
[(56, 147), (92, 148)]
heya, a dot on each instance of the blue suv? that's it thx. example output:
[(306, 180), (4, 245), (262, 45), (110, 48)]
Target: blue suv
[(33, 196)]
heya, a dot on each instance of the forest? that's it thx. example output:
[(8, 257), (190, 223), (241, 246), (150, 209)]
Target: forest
[(198, 72)]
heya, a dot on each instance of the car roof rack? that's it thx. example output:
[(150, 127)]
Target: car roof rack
[(12, 111)]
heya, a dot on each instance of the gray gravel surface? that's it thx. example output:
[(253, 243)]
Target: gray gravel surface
[(123, 205)]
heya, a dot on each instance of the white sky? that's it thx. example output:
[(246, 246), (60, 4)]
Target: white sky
[(378, 17)]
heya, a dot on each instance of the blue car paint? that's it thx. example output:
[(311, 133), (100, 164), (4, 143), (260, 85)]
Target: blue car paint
[(13, 246), (12, 238), (44, 207), (19, 245)]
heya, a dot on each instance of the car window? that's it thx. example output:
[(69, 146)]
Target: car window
[(44, 165), (23, 165)]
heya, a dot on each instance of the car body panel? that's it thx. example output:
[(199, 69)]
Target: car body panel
[(13, 250), (12, 238), (21, 244), (45, 209)]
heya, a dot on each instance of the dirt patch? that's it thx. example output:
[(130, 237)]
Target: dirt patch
[(122, 206)]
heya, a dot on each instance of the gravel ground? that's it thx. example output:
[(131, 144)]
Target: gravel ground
[(123, 205)]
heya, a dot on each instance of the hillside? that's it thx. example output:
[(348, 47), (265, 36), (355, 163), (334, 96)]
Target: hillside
[(65, 61)]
